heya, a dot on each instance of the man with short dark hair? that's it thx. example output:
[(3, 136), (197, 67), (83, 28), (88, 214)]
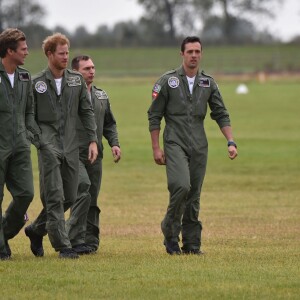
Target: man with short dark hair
[(181, 97), (83, 226), (18, 128)]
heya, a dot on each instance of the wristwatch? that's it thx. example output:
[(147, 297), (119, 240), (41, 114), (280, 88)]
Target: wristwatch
[(231, 143)]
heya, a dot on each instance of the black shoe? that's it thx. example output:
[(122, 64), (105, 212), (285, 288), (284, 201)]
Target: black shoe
[(68, 253), (36, 242), (193, 252), (93, 248), (82, 249), (8, 251), (172, 248), (4, 256)]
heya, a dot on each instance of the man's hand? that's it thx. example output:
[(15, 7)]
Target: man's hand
[(232, 152), (116, 152), (93, 152), (159, 156)]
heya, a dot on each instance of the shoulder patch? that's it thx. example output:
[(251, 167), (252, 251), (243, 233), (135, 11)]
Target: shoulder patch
[(73, 80), (156, 88), (155, 91), (41, 87)]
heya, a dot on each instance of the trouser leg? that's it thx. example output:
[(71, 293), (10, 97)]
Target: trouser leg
[(191, 226), (3, 164), (77, 222), (38, 226), (19, 182), (2, 241), (60, 177), (93, 219), (177, 167)]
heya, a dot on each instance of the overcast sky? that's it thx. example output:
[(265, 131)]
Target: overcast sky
[(72, 13)]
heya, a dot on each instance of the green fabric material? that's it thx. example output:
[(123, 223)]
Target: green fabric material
[(185, 147)]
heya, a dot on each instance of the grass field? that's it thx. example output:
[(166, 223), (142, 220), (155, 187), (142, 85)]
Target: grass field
[(250, 211), (154, 61)]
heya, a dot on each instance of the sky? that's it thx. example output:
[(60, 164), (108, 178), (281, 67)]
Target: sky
[(73, 13)]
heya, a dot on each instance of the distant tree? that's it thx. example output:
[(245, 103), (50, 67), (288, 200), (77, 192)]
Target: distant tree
[(20, 13), (125, 34), (61, 30), (1, 16), (81, 38), (35, 34), (103, 37), (168, 17), (178, 18), (236, 15)]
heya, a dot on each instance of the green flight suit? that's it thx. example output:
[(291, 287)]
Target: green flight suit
[(56, 116), (84, 223), (18, 128), (185, 147)]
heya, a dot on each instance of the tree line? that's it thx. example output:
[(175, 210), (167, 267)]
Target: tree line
[(164, 24)]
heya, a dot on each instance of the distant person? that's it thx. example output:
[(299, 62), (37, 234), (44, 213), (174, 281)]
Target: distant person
[(17, 126), (83, 226), (61, 97), (181, 96)]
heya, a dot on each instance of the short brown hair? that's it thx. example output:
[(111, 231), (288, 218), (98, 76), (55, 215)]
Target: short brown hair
[(77, 59), (50, 43), (9, 39)]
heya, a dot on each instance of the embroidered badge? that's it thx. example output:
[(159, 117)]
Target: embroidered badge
[(41, 87), (24, 76), (154, 95), (204, 82), (100, 95), (173, 82), (156, 88), (73, 81)]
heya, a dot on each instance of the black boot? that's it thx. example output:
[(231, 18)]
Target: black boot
[(36, 242)]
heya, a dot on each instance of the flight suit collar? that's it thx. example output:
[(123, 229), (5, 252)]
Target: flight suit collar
[(50, 78)]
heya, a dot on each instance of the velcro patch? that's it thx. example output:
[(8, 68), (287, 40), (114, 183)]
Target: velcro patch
[(73, 81), (156, 88), (173, 82), (41, 87), (100, 95), (204, 82), (24, 76)]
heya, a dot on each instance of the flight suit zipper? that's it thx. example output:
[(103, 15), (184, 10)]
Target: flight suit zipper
[(61, 122), (189, 97), (14, 114)]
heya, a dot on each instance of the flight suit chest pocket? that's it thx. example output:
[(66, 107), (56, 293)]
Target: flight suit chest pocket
[(177, 103), (45, 108), (200, 101), (5, 98)]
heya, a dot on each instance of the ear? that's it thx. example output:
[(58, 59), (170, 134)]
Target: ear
[(48, 53), (9, 51)]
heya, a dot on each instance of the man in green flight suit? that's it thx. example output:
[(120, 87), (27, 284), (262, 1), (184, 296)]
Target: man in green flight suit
[(181, 97), (60, 96), (18, 127), (83, 226)]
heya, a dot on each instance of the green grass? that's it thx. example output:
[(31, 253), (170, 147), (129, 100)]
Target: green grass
[(250, 211), (155, 61)]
